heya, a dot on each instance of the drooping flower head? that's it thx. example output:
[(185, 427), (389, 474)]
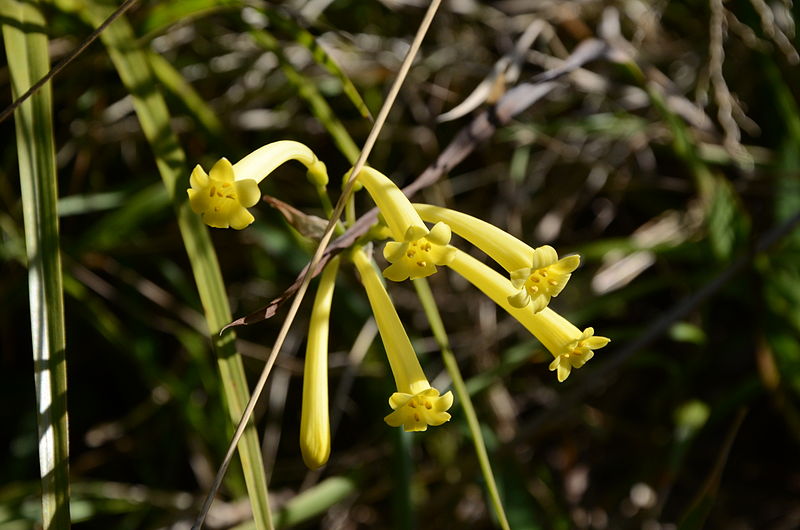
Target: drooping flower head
[(416, 404), (570, 346), (223, 196), (415, 251), (536, 273), (220, 199), (315, 431)]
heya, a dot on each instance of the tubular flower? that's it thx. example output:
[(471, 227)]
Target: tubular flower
[(315, 433), (416, 405), (415, 251), (418, 258), (570, 346), (223, 196), (220, 199), (536, 274)]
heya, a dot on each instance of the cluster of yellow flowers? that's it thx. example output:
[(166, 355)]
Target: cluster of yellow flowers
[(535, 275)]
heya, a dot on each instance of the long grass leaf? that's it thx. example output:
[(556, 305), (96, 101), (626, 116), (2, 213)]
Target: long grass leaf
[(172, 80), (307, 90), (321, 57), (26, 48), (132, 65)]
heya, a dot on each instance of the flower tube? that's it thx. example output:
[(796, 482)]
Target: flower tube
[(415, 251), (315, 432), (416, 405), (536, 274), (570, 347), (223, 196)]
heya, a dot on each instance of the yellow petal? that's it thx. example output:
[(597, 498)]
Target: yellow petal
[(199, 200), (222, 171), (198, 178), (544, 256), (240, 218), (216, 219), (519, 299), (248, 192), (394, 250), (440, 234)]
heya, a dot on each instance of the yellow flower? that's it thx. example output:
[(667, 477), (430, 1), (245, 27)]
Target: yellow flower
[(223, 196), (570, 346), (415, 251), (537, 274), (220, 199), (416, 405), (418, 259), (315, 433)]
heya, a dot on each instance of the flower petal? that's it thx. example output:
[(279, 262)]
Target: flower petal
[(396, 272), (440, 234), (199, 200), (393, 251), (240, 218), (222, 171), (248, 192), (543, 256), (520, 299), (198, 178)]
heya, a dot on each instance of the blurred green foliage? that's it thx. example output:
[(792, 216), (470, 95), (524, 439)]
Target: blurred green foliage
[(687, 419)]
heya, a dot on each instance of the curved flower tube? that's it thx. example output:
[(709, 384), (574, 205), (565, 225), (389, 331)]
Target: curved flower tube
[(570, 347), (416, 405), (402, 219), (415, 251), (315, 431), (536, 274), (223, 196)]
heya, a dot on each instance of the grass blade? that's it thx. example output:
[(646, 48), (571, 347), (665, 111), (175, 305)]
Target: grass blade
[(132, 63), (321, 57), (307, 90), (437, 327), (26, 48)]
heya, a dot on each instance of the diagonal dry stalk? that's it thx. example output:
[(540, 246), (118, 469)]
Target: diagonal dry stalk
[(337, 212)]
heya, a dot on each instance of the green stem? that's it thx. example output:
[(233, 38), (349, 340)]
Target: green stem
[(325, 200), (350, 212), (402, 504), (439, 333)]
